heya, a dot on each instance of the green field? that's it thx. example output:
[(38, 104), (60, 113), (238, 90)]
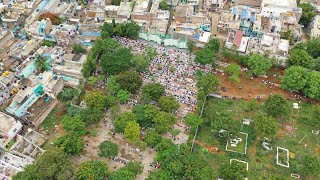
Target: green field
[(262, 163)]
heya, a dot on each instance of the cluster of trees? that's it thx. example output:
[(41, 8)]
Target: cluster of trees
[(306, 54), (177, 162), (234, 71), (297, 78), (208, 54), (207, 83), (127, 29)]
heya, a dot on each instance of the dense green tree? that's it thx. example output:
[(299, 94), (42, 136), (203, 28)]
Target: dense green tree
[(132, 132), (110, 101), (128, 29), (208, 83), (234, 70), (300, 45), (122, 121), (213, 45), (168, 104), (117, 61), (90, 65), (236, 171), (163, 5), (258, 64), (78, 49), (160, 174), (308, 13), (152, 92), (164, 145), (67, 94), (152, 138), (140, 63), (47, 43), (313, 46), (300, 57), (191, 45), (312, 88), (112, 84), (205, 56), (130, 81), (91, 116), (193, 120), (108, 149), (73, 111), (134, 167), (74, 125), (70, 143), (107, 30), (145, 114), (52, 164), (123, 175), (92, 170), (265, 126), (223, 120), (295, 78), (123, 95), (115, 2), (277, 107), (311, 165), (96, 99), (163, 122), (151, 52), (41, 63)]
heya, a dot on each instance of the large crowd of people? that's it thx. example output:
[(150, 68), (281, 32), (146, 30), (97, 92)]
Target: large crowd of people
[(172, 68)]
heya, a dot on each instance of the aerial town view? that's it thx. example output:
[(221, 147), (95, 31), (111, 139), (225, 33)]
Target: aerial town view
[(159, 89)]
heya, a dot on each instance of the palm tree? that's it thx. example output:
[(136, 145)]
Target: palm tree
[(41, 63)]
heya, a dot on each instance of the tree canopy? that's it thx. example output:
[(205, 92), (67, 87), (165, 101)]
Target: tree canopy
[(122, 120), (152, 92), (78, 49), (223, 120), (123, 95), (168, 104), (91, 115), (117, 61), (151, 52), (308, 13), (52, 164), (152, 138), (208, 83), (277, 107), (96, 100), (163, 5), (300, 57), (205, 56), (163, 122), (193, 120), (145, 114), (258, 64), (74, 125), (130, 81), (92, 170), (140, 63), (236, 171), (132, 132), (295, 78), (312, 47), (108, 149), (265, 126), (70, 143), (312, 88), (234, 70)]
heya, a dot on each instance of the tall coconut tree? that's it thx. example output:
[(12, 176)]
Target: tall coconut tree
[(41, 63)]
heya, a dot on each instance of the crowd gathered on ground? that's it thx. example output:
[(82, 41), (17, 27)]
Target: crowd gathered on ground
[(173, 69)]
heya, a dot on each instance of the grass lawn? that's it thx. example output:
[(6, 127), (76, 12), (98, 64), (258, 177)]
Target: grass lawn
[(262, 163), (54, 118), (241, 146)]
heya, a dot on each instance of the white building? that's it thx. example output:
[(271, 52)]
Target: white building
[(315, 27)]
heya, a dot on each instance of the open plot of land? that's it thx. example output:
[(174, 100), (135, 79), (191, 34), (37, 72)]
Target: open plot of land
[(295, 134)]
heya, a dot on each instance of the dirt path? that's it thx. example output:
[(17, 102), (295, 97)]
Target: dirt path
[(211, 149)]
